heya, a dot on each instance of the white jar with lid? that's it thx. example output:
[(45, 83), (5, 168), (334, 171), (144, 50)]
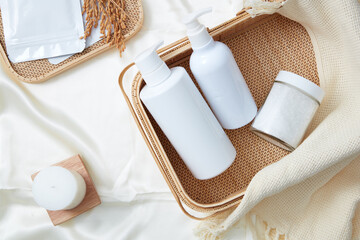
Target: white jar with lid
[(288, 110)]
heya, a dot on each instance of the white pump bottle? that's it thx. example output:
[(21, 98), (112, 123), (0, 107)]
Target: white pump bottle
[(218, 76), (183, 115)]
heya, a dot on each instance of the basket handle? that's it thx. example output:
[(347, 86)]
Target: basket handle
[(142, 131)]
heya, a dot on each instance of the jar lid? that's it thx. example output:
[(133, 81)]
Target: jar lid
[(302, 84)]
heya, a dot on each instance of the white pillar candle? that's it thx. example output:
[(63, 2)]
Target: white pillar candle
[(57, 188)]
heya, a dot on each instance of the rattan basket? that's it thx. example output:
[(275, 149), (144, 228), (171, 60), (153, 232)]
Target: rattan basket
[(262, 46), (41, 70)]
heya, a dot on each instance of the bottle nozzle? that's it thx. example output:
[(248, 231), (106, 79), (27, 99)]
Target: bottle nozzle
[(191, 21), (151, 66), (197, 32), (157, 45), (149, 60)]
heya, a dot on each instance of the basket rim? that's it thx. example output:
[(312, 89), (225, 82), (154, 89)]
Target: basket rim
[(167, 53)]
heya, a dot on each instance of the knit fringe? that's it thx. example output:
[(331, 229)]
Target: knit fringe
[(273, 234), (259, 7), (208, 230), (261, 230), (213, 229)]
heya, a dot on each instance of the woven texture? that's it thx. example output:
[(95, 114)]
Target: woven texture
[(314, 192), (38, 70), (261, 51)]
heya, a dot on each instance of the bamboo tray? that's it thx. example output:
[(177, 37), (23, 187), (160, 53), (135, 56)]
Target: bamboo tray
[(41, 70), (262, 46)]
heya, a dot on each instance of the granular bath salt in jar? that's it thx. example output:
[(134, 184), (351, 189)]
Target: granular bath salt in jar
[(288, 110)]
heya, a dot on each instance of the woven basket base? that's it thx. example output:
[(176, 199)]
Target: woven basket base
[(41, 70), (261, 51)]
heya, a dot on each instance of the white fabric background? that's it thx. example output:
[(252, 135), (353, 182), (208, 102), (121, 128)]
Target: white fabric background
[(82, 111)]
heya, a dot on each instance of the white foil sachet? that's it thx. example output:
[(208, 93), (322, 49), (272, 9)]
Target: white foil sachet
[(90, 40), (39, 29)]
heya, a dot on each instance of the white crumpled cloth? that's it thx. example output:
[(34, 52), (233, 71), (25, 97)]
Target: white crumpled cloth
[(83, 111)]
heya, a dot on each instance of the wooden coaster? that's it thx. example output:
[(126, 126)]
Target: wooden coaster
[(91, 198)]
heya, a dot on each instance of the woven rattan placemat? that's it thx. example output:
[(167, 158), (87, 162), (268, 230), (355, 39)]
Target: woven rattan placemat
[(41, 70)]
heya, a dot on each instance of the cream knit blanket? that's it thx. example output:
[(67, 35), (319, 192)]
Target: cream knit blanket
[(314, 192)]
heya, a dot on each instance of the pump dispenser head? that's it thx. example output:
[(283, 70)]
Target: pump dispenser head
[(151, 66), (197, 33)]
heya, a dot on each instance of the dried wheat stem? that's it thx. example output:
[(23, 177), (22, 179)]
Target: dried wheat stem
[(110, 16)]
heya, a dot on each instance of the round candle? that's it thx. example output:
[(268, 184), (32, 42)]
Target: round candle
[(57, 188)]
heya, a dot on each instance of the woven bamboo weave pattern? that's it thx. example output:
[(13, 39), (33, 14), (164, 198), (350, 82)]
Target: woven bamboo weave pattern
[(261, 51)]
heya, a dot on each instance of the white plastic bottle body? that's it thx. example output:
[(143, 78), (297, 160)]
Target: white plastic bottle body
[(187, 121), (223, 85)]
